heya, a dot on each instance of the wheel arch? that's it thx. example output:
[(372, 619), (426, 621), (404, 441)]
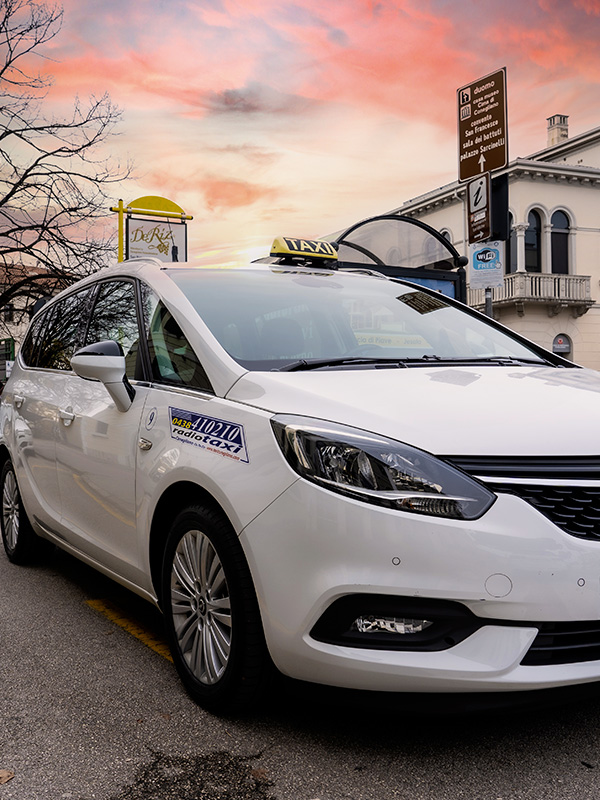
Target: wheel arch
[(167, 508)]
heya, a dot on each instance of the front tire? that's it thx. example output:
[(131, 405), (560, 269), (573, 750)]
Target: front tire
[(211, 612), (18, 537)]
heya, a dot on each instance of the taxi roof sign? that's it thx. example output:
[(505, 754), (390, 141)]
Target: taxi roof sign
[(308, 249)]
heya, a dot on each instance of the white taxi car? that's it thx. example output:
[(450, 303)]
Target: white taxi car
[(350, 476)]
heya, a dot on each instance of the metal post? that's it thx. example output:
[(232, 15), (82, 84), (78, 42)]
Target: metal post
[(488, 302), (119, 209)]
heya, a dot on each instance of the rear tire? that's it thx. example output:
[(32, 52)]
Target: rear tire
[(18, 537), (212, 616)]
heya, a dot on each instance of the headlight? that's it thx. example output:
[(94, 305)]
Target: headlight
[(378, 470)]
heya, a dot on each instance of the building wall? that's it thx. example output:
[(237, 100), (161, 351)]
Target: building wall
[(451, 218), (536, 325), (576, 195), (588, 155)]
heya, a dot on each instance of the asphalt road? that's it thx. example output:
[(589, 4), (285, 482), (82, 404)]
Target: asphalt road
[(88, 710)]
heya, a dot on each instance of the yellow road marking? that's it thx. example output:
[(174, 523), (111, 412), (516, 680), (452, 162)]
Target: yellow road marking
[(145, 635)]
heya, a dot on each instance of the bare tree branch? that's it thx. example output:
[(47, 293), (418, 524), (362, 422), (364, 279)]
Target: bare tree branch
[(54, 182)]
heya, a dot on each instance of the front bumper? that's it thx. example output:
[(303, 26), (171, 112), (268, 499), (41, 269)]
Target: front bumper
[(512, 568)]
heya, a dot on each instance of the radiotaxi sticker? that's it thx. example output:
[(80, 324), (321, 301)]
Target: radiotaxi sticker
[(209, 433)]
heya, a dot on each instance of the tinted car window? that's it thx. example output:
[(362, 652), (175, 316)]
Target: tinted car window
[(29, 350), (115, 317), (64, 331), (172, 358)]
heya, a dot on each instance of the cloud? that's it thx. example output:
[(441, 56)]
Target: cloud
[(379, 54), (222, 194), (404, 57), (255, 99), (250, 153), (589, 6), (216, 193), (306, 115), (298, 16)]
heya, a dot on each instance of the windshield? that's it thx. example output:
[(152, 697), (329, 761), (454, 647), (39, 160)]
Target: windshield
[(272, 318)]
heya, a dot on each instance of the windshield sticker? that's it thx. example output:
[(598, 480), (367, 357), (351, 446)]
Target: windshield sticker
[(384, 339), (421, 302), (209, 433)]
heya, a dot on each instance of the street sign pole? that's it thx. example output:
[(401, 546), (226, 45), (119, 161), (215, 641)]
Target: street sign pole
[(489, 311), (482, 148)]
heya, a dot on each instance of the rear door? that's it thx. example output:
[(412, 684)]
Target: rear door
[(36, 395)]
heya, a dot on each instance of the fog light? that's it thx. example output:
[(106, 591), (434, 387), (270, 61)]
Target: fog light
[(390, 625)]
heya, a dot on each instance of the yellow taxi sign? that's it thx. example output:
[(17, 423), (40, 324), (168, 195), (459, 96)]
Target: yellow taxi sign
[(306, 248)]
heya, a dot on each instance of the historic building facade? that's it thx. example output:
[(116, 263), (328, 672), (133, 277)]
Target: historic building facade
[(551, 291)]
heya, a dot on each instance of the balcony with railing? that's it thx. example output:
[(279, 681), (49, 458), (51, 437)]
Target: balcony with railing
[(555, 292)]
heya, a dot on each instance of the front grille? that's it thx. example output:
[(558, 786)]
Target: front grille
[(533, 467), (573, 508), (564, 643)]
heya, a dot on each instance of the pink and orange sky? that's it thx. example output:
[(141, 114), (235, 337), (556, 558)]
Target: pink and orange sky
[(266, 117)]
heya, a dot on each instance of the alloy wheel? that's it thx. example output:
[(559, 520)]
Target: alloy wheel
[(201, 607), (10, 510)]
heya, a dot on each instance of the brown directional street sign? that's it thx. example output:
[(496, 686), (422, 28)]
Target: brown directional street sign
[(482, 131)]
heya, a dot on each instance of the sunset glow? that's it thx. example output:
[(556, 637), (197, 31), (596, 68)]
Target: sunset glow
[(262, 117)]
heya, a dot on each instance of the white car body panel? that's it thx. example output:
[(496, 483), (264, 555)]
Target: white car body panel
[(242, 489), (29, 418), (443, 409), (330, 549), (96, 456)]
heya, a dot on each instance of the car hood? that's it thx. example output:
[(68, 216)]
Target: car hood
[(487, 410)]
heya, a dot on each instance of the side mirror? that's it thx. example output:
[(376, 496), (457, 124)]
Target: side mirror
[(105, 362)]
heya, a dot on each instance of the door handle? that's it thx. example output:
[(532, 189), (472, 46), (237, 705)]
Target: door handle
[(18, 400), (66, 415)]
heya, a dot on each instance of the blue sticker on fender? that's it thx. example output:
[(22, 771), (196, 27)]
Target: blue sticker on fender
[(209, 433)]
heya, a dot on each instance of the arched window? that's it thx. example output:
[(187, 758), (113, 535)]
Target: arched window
[(511, 261), (533, 255), (560, 243)]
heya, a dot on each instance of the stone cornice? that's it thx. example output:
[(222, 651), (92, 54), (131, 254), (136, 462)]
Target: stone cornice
[(574, 173), (521, 169)]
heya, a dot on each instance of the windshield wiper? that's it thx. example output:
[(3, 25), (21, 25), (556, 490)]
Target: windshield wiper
[(424, 360), (500, 360), (324, 363)]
